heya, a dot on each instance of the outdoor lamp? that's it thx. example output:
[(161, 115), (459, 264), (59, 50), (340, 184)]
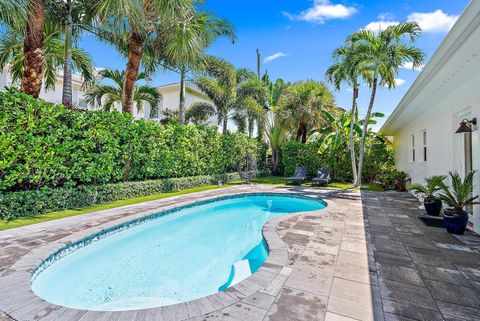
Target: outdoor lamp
[(466, 126)]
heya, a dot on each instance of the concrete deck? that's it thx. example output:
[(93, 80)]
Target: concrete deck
[(365, 257)]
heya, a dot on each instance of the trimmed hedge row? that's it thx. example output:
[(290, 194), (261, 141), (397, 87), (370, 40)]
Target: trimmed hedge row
[(48, 145), (44, 200)]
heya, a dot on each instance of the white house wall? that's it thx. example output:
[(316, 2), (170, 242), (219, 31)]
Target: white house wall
[(444, 147), (52, 95)]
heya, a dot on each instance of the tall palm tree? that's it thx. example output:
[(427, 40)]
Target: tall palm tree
[(301, 105), (33, 48), (143, 23), (189, 38), (253, 96), (12, 55), (230, 98), (276, 136), (110, 95), (346, 70), (27, 17), (74, 17), (382, 54)]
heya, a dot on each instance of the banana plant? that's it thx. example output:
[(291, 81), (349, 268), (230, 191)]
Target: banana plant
[(339, 129)]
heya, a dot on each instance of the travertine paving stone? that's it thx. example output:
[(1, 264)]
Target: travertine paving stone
[(365, 257)]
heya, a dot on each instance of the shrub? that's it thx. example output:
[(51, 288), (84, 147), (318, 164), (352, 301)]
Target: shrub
[(378, 154), (44, 200), (47, 145), (393, 179)]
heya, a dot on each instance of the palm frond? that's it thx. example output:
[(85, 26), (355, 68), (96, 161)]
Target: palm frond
[(460, 194), (199, 112)]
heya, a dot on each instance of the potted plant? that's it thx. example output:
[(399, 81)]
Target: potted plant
[(457, 198), (432, 203)]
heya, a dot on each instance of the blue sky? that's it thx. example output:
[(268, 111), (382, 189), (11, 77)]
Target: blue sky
[(300, 35)]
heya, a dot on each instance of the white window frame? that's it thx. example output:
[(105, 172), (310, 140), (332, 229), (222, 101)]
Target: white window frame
[(424, 146), (411, 150)]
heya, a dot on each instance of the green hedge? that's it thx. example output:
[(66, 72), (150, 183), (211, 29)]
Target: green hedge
[(47, 145), (44, 200), (378, 159)]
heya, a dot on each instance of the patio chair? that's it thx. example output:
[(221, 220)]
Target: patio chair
[(299, 175), (323, 176)]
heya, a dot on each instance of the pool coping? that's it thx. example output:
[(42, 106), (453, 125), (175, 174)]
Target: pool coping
[(24, 302)]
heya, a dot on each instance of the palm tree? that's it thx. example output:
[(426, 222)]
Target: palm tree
[(300, 107), (141, 25), (188, 40), (12, 11), (276, 136), (33, 48), (110, 95), (253, 97), (382, 54), (346, 70), (230, 98), (12, 54), (74, 17)]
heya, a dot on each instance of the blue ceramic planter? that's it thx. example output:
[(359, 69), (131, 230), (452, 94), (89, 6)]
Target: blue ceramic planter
[(456, 223)]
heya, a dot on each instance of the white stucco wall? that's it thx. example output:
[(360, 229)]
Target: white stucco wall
[(444, 148), (52, 95), (171, 99), (446, 92)]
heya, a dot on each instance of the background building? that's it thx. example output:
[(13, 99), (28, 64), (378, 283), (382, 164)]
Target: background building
[(170, 96)]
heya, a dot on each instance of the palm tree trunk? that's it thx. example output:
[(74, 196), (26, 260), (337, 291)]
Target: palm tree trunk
[(304, 133), (33, 51), (352, 143), (225, 123), (131, 73), (364, 134), (298, 138), (275, 159), (67, 99), (181, 106)]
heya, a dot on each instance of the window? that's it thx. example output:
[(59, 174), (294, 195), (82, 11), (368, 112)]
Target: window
[(424, 137), (412, 151)]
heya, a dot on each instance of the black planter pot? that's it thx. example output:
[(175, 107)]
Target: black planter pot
[(455, 223), (433, 208)]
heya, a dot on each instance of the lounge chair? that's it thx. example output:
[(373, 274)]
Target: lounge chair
[(299, 175), (323, 176)]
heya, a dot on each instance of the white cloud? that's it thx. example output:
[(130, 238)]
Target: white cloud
[(409, 65), (377, 26), (386, 16), (398, 82), (274, 56), (436, 21), (321, 11)]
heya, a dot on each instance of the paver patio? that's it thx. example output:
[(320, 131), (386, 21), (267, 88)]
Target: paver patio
[(365, 257)]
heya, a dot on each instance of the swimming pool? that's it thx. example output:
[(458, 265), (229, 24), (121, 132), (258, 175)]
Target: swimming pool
[(192, 252)]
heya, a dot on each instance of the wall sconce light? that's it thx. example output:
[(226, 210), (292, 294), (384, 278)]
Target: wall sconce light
[(466, 126)]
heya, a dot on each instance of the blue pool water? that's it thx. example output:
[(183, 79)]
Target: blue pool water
[(182, 256)]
